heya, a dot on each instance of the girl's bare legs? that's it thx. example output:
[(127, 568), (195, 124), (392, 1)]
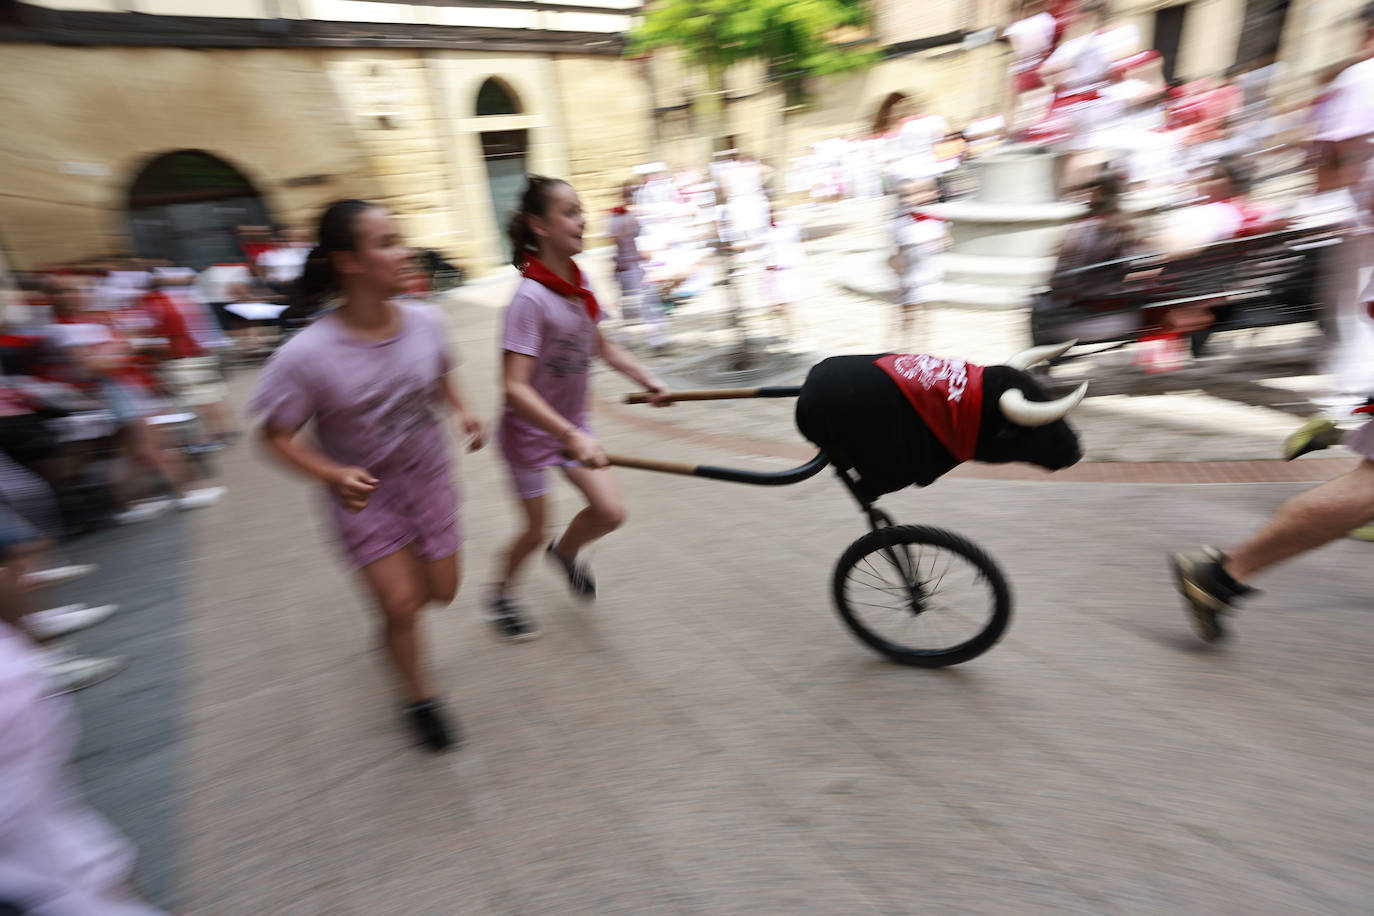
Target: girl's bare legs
[(139, 442), (1308, 520), (443, 577), (402, 584), (604, 513), (525, 543)]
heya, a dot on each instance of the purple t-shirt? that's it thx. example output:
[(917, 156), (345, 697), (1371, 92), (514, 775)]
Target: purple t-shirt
[(563, 340), (372, 401)]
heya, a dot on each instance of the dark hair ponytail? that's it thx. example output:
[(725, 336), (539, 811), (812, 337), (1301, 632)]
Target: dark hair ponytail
[(316, 282), (533, 202)]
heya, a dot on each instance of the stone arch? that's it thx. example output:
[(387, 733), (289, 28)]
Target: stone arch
[(497, 97), (185, 206)]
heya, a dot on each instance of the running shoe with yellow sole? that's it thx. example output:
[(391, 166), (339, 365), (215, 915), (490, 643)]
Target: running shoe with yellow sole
[(1209, 594)]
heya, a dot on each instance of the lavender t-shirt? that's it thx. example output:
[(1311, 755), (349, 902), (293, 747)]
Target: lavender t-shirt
[(372, 401), (563, 340)]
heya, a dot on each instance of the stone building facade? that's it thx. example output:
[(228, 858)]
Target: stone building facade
[(129, 132), (125, 131)]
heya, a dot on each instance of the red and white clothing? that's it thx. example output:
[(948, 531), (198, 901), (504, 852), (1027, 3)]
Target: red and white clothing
[(1081, 68), (1347, 117), (1032, 39), (784, 262), (283, 265), (913, 147), (919, 239)]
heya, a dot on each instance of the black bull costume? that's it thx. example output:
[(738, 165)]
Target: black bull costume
[(904, 419)]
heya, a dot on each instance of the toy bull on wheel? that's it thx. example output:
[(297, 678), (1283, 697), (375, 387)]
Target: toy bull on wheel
[(903, 419), (889, 421)]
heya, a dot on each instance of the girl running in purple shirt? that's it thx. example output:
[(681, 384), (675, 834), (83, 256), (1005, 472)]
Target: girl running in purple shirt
[(373, 375), (551, 337)]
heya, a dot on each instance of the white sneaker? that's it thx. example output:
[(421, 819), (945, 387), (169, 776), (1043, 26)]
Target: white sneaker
[(142, 511), (67, 672), (41, 577), (199, 499), (59, 621)]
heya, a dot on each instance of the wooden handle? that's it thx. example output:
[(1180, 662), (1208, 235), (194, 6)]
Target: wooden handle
[(717, 394), (701, 394), (653, 464)]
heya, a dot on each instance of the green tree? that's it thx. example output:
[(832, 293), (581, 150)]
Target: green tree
[(794, 39)]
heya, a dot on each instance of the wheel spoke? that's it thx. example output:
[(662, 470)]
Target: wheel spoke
[(943, 599)]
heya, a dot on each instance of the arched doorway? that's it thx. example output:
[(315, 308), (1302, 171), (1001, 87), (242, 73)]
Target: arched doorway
[(504, 152), (184, 207)]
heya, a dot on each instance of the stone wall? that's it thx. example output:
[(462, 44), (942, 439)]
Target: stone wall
[(88, 119), (399, 127), (391, 109), (605, 104)]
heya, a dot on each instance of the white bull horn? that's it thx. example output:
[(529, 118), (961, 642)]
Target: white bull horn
[(1036, 355), (1016, 408)]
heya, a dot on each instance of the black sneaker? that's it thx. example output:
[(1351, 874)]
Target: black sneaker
[(1208, 592), (508, 619), (431, 725), (579, 574)]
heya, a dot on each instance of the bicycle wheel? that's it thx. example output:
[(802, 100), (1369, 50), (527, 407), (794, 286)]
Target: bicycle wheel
[(922, 596)]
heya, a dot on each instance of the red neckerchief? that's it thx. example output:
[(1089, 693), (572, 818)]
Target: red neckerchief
[(620, 211), (536, 271), (947, 394), (923, 217)]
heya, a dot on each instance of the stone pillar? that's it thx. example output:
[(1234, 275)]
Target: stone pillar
[(1004, 240)]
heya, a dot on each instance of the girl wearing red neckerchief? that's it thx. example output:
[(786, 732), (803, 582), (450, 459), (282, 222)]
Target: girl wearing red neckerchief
[(551, 337)]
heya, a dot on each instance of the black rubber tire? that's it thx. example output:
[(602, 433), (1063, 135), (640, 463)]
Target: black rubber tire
[(900, 535)]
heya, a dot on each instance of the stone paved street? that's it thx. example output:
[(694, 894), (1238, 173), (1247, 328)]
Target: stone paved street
[(707, 738)]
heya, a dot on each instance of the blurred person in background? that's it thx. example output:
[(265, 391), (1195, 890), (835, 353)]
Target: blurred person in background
[(1032, 38), (550, 339), (784, 277), (214, 286), (370, 374), (741, 179), (623, 227), (58, 857), (188, 369), (1102, 236), (919, 239), (913, 145), (1080, 69), (255, 309), (29, 525), (1223, 211), (100, 360), (282, 263), (254, 241), (1343, 138)]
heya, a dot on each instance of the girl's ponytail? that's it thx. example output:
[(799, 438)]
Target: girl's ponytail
[(312, 287), (523, 242), (317, 281)]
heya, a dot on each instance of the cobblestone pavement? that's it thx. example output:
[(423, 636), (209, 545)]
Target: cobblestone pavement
[(707, 738)]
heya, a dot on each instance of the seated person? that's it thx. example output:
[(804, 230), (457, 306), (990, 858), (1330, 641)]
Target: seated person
[(1080, 301)]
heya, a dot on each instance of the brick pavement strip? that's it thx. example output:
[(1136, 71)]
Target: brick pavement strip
[(707, 739)]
